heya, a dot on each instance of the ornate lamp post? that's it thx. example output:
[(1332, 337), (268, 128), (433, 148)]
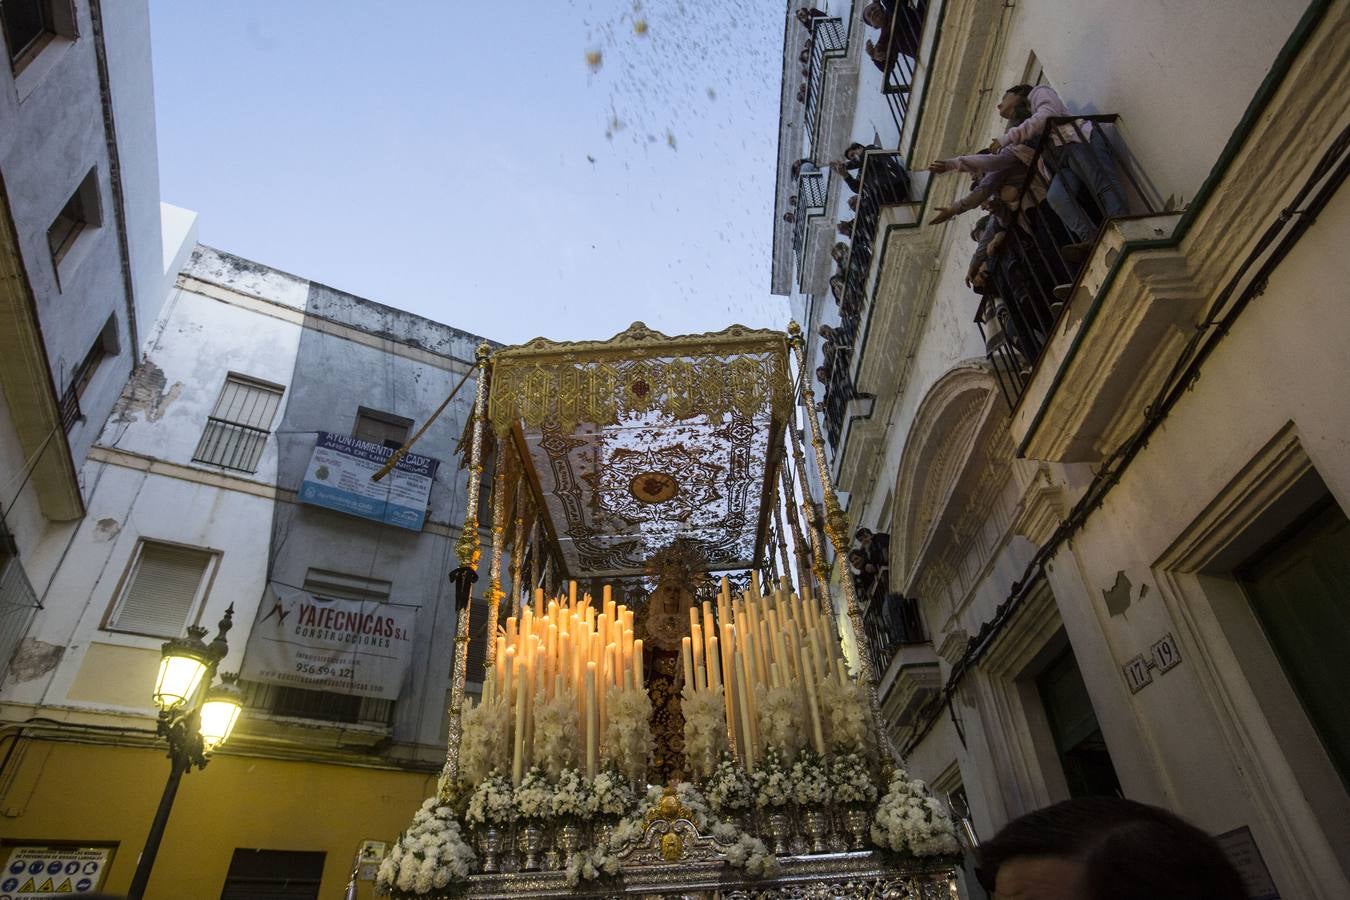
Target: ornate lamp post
[(195, 716)]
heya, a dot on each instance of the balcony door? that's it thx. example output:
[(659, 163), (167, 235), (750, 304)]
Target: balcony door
[(1078, 739), (1299, 590)]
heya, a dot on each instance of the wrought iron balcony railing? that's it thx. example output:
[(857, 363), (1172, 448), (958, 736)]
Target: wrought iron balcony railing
[(897, 53), (810, 203), (882, 181), (1035, 253), (231, 445), (891, 621), (829, 38)]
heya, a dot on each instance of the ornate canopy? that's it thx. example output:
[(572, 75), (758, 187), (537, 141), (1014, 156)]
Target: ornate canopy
[(633, 442)]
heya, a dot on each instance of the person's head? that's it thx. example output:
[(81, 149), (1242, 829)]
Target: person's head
[(845, 228), (853, 203), (837, 287), (978, 231), (789, 217), (1013, 100), (792, 201), (863, 536), (822, 375), (854, 152), (1105, 848), (874, 14), (826, 332), (857, 559), (839, 252), (803, 16), (796, 168)]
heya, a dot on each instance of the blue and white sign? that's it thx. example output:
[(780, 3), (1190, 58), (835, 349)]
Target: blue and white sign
[(40, 870), (338, 477)]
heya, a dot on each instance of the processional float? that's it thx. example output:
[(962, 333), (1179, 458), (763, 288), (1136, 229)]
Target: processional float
[(703, 737)]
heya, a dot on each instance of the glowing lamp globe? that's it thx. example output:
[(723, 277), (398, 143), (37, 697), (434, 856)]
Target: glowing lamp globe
[(181, 668), (219, 714)]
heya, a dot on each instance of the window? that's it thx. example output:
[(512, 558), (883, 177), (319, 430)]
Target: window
[(274, 875), (104, 346), (1073, 725), (381, 428), (29, 25), (237, 429), (80, 213), (164, 586)]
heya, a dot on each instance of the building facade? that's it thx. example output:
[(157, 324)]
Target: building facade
[(81, 265), (1096, 425), (200, 494)]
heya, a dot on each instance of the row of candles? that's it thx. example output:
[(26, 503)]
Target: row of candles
[(564, 646), (757, 642)]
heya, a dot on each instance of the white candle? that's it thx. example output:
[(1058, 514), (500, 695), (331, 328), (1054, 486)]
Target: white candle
[(688, 665), (637, 665), (591, 720), (518, 752), (817, 734), (696, 644)]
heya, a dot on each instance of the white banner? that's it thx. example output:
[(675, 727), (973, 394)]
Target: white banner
[(360, 647)]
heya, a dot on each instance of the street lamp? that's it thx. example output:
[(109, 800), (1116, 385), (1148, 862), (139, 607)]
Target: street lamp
[(195, 716)]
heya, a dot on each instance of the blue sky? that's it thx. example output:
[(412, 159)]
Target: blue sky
[(464, 161)]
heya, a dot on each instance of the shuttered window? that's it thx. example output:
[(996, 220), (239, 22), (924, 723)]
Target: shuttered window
[(273, 875), (478, 638), (237, 429), (165, 585)]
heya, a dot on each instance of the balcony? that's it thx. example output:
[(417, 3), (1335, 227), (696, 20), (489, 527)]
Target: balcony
[(882, 183), (829, 40), (897, 52), (1041, 255), (904, 656), (811, 187)]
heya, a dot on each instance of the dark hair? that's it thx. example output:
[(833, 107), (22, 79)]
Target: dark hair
[(858, 535), (978, 231), (1021, 90), (1129, 851)]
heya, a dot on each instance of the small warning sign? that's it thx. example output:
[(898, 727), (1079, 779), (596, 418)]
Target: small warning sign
[(47, 870)]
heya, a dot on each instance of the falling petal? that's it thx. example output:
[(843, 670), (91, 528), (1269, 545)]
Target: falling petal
[(595, 59)]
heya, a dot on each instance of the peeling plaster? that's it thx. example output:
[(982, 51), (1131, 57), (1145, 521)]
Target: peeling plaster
[(145, 393), (34, 658), (1118, 597), (107, 529)]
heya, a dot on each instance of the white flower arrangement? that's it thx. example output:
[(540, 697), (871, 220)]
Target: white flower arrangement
[(780, 719), (851, 779), (845, 707), (429, 855), (603, 859), (810, 780), (745, 851), (486, 739), (705, 729), (571, 797), (534, 796), (729, 789), (492, 801), (628, 735), (909, 820), (555, 731), (773, 788), (610, 794)]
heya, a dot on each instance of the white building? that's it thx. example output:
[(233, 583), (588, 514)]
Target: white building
[(1119, 505)]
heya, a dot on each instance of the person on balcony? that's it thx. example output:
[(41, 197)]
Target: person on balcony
[(864, 573), (1080, 156), (900, 31), (808, 14), (839, 253), (802, 167), (876, 546)]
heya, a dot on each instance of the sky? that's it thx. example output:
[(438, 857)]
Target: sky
[(544, 167)]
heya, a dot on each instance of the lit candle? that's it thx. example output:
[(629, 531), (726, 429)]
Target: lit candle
[(714, 677), (518, 752), (637, 665), (591, 722), (688, 665), (744, 698), (817, 734), (696, 644)]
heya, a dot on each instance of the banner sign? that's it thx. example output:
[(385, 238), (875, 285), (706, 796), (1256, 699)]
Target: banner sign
[(39, 870), (338, 477), (360, 647)]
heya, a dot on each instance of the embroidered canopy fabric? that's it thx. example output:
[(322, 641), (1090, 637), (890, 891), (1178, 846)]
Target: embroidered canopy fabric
[(633, 442)]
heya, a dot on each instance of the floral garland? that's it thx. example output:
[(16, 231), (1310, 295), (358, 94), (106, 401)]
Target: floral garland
[(555, 726), (492, 801), (730, 789), (429, 855), (851, 779), (780, 719), (610, 794), (705, 729), (845, 707), (810, 780), (571, 795), (628, 736), (773, 787), (534, 796), (486, 739), (909, 820)]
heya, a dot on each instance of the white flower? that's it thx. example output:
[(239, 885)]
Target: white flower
[(845, 708), (772, 786), (485, 740), (908, 820), (628, 736), (534, 797), (705, 729), (851, 779), (555, 731), (781, 722), (810, 780), (492, 801), (729, 788)]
